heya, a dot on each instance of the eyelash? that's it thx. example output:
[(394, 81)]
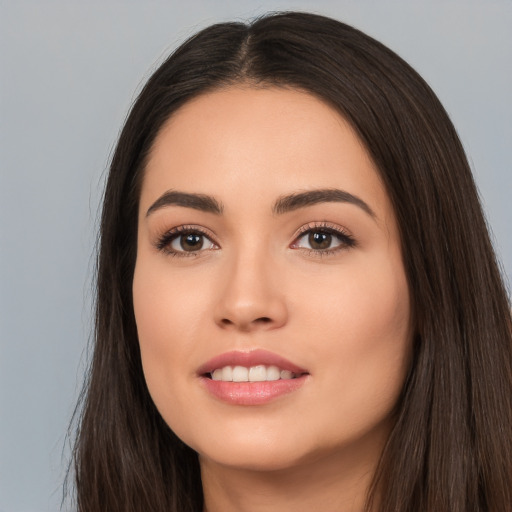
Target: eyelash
[(164, 242), (346, 240)]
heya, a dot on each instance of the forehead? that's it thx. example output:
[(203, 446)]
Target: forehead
[(276, 117), (267, 140)]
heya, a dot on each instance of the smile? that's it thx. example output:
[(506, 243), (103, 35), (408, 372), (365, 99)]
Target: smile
[(256, 377), (259, 373)]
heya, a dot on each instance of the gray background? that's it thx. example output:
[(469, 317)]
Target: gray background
[(69, 72)]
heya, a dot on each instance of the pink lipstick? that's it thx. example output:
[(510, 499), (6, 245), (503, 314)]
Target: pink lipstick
[(250, 378)]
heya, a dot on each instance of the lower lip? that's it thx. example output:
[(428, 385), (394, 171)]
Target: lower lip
[(252, 393)]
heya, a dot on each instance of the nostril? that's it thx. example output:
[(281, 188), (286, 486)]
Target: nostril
[(263, 320)]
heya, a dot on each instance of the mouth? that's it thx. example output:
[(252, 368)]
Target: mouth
[(251, 378), (258, 373)]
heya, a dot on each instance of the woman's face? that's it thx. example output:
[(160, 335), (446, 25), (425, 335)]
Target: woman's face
[(268, 249)]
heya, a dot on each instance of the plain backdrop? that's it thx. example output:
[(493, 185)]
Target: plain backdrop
[(69, 71)]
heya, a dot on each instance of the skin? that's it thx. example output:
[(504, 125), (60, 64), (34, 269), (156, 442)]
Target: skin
[(343, 315)]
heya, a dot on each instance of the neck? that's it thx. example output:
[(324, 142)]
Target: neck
[(334, 482)]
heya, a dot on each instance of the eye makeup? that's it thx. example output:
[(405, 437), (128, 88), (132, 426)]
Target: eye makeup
[(323, 239), (185, 241), (315, 238)]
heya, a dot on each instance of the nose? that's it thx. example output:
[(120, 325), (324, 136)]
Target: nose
[(251, 298)]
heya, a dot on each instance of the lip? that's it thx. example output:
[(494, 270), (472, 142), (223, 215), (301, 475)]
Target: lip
[(250, 393), (251, 358)]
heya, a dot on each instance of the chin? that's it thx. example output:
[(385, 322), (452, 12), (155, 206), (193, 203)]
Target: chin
[(252, 453), (254, 459), (269, 450)]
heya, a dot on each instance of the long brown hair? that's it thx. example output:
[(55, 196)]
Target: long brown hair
[(451, 446)]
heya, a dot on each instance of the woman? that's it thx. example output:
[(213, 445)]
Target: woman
[(298, 304)]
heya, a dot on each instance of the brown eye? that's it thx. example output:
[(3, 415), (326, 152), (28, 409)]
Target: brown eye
[(186, 242), (324, 240), (189, 242), (319, 240)]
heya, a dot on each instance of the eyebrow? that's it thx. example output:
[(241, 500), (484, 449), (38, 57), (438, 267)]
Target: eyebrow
[(330, 195), (283, 205), (201, 202)]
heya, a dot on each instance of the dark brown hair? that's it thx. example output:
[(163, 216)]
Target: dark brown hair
[(451, 446)]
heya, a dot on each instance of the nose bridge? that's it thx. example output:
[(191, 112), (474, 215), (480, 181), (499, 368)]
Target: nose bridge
[(251, 297)]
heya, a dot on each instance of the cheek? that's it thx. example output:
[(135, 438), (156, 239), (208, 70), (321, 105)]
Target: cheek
[(165, 317), (364, 339), (167, 305), (358, 308)]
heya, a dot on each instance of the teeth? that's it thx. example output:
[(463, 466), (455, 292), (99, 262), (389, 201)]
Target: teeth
[(285, 374), (259, 373), (227, 374), (217, 375), (240, 374), (273, 373)]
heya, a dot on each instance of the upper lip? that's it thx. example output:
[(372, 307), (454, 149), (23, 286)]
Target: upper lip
[(248, 359)]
